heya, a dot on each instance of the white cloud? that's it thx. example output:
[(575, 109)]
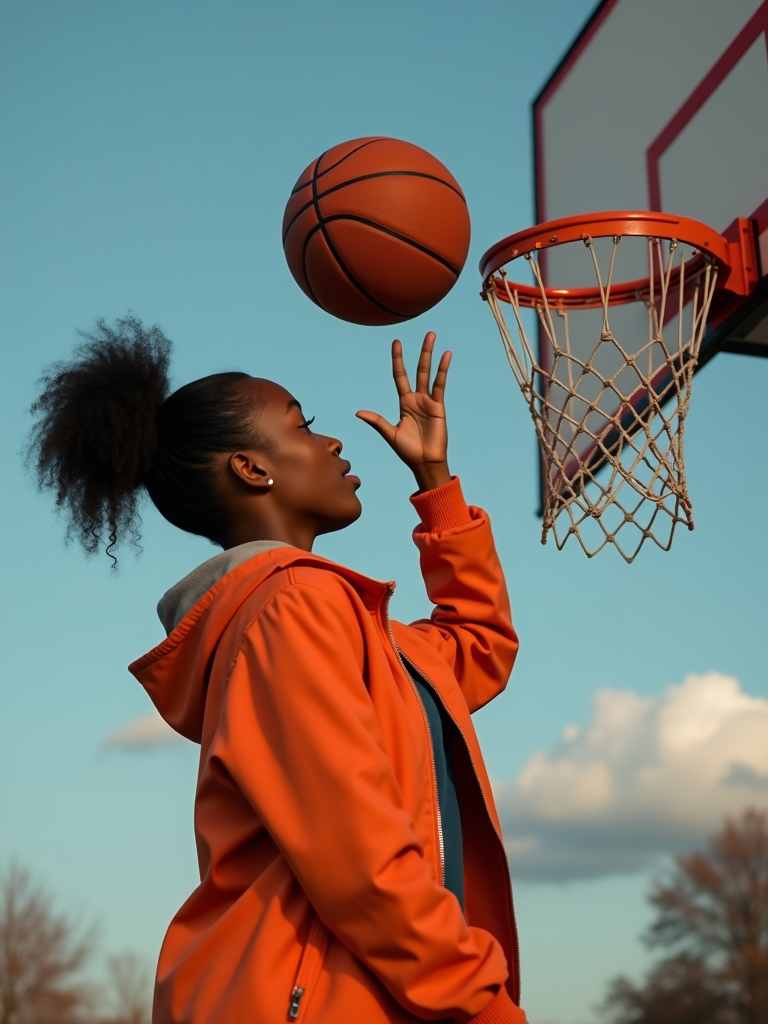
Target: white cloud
[(644, 777), (142, 733)]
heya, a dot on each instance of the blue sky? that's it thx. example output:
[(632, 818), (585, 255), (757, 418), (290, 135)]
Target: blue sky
[(148, 151)]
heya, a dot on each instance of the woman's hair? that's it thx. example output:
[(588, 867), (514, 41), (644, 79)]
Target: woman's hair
[(108, 429)]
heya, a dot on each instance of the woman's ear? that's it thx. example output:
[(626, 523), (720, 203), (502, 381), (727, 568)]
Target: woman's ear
[(252, 469)]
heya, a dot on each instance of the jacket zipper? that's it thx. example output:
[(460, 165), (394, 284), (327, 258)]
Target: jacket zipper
[(310, 962), (406, 661)]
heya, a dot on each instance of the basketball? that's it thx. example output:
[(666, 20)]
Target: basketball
[(376, 231)]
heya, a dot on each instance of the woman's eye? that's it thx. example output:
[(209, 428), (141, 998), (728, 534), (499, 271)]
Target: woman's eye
[(307, 424)]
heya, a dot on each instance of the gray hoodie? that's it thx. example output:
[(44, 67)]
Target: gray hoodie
[(177, 601)]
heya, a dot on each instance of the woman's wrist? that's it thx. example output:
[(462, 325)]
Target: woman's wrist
[(442, 508), (430, 475)]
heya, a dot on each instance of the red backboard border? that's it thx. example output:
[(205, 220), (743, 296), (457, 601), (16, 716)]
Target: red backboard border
[(756, 26)]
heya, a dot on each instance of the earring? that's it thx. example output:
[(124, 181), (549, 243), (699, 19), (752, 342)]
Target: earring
[(270, 482)]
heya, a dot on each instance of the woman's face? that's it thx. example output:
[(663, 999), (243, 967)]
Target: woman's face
[(312, 483)]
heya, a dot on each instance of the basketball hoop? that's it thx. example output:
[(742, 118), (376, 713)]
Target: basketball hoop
[(606, 396)]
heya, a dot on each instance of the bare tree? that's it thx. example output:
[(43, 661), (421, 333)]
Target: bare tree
[(712, 919), (42, 957), (129, 990), (677, 991)]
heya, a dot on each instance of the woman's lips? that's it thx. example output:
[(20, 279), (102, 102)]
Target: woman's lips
[(349, 476)]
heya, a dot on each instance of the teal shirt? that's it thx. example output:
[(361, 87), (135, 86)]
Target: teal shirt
[(450, 816)]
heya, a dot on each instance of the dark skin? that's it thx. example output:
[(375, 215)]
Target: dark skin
[(301, 487)]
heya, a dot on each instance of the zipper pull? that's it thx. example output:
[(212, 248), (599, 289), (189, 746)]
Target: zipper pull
[(293, 1006)]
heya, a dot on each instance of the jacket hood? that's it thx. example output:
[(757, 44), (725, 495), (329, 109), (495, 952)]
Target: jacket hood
[(177, 601), (197, 611)]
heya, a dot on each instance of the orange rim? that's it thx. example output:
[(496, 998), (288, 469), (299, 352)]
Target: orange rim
[(600, 225)]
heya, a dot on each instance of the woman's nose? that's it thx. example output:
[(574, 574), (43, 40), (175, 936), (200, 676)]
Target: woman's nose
[(335, 447)]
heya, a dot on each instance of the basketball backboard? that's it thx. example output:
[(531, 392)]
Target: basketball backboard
[(663, 105), (659, 105)]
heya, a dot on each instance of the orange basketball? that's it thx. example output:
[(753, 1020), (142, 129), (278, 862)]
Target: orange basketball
[(376, 231)]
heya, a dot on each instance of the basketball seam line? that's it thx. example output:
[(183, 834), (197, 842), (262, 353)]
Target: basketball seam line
[(367, 177), (321, 227), (353, 280), (298, 188), (388, 231), (304, 255)]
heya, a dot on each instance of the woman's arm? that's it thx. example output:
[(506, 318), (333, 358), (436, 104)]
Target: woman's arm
[(471, 625)]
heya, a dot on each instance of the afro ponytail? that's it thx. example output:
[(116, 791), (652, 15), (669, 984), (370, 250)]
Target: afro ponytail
[(107, 431), (96, 435)]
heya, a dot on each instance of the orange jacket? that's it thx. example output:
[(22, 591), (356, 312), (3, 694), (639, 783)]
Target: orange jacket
[(316, 812)]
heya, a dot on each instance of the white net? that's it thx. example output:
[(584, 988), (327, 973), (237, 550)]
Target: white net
[(609, 401)]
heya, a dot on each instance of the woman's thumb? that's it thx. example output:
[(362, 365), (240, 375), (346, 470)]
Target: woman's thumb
[(379, 424)]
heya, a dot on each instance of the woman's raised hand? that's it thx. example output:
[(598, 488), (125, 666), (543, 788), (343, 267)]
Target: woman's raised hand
[(420, 437)]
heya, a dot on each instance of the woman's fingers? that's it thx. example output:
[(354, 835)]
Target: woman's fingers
[(425, 363), (398, 369), (438, 388), (382, 426), (423, 370)]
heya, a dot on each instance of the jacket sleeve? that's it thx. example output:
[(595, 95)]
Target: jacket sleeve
[(300, 737), (471, 625)]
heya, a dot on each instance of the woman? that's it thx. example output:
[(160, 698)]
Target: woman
[(351, 862)]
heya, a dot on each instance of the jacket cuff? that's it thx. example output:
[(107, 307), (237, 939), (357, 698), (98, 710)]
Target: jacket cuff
[(500, 1010), (442, 508)]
